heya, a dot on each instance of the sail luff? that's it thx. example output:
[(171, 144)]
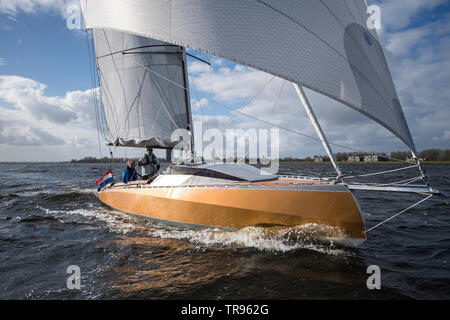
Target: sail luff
[(189, 126)]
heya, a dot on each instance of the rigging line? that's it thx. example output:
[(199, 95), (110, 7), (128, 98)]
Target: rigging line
[(399, 213), (109, 103), (138, 105), (137, 48), (284, 128), (407, 181), (93, 95), (159, 75), (105, 131), (214, 105), (276, 101), (99, 105), (403, 182), (381, 172), (117, 70), (251, 98), (104, 128), (112, 105), (136, 98), (239, 110), (199, 59), (161, 94), (94, 92), (99, 112), (196, 92), (268, 117), (413, 180), (292, 131), (163, 99), (198, 98), (92, 72)]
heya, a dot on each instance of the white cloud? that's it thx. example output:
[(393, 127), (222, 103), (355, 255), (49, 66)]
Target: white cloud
[(2, 62), (22, 136), (420, 64), (398, 14), (29, 96), (401, 43), (31, 118), (198, 67), (424, 40), (198, 104), (13, 7)]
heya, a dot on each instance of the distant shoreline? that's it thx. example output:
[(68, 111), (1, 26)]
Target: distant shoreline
[(288, 162), (367, 162)]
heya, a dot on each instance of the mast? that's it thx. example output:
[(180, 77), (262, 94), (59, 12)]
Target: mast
[(317, 127), (188, 104)]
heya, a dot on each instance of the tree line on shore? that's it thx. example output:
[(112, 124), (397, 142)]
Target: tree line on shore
[(427, 155), (105, 160)]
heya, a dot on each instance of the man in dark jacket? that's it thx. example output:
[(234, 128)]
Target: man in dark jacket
[(149, 163), (129, 174)]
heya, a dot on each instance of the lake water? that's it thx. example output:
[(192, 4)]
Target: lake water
[(51, 218)]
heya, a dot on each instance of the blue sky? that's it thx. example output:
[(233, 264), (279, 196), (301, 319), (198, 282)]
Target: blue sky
[(46, 99), (39, 46)]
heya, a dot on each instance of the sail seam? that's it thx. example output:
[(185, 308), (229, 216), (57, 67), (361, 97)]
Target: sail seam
[(330, 46)]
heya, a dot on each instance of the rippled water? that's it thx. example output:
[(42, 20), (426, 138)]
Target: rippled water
[(50, 218)]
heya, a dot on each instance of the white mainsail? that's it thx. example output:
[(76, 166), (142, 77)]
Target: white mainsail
[(144, 88), (323, 45)]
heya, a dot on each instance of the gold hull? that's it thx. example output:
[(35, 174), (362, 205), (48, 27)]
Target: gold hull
[(240, 207)]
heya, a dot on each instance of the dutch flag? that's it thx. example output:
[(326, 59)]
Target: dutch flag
[(106, 179)]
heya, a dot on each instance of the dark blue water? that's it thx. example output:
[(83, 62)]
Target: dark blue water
[(50, 218)]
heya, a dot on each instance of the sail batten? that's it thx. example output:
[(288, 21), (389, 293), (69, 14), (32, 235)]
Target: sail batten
[(323, 45)]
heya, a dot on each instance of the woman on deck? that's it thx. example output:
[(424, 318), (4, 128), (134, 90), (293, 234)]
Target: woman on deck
[(129, 174)]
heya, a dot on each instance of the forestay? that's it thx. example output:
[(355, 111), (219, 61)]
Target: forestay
[(143, 88), (323, 45)]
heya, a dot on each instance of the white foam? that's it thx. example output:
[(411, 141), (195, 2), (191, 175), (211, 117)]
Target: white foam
[(87, 191), (260, 238), (274, 239)]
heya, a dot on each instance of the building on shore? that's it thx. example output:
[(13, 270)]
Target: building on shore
[(355, 158), (318, 159), (412, 160), (375, 158), (367, 158)]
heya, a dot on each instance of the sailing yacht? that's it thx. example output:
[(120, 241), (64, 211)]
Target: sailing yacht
[(325, 46)]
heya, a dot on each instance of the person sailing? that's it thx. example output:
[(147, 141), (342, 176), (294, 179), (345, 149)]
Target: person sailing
[(149, 163), (129, 174)]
